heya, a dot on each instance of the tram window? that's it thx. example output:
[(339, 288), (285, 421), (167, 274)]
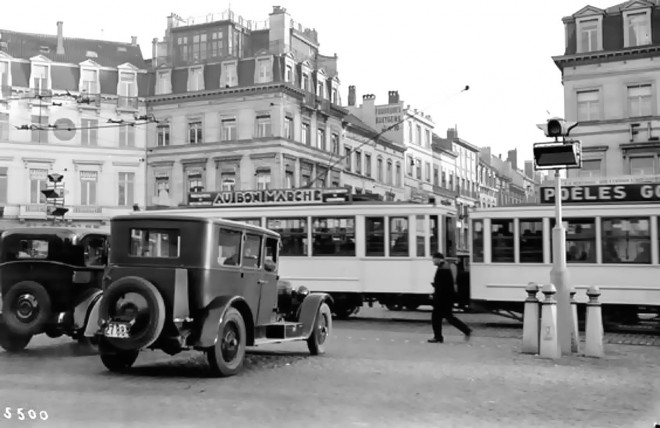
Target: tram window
[(626, 240), (293, 232), (375, 236), (333, 236), (478, 241), (421, 236), (531, 241), (501, 241), (398, 237), (435, 233), (580, 240)]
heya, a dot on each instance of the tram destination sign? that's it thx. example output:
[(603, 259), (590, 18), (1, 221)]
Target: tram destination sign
[(267, 197), (602, 193)]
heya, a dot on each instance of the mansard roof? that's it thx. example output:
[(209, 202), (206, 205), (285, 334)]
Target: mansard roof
[(108, 54)]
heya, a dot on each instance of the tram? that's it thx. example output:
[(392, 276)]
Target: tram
[(612, 241), (357, 251)]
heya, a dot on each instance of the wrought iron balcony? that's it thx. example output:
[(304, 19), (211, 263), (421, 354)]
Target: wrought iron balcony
[(90, 100)]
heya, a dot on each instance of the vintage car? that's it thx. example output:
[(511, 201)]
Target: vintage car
[(50, 277), (178, 283)]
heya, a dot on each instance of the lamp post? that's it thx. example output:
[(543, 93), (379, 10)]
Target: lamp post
[(557, 155)]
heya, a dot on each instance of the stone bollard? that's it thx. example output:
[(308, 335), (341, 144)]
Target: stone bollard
[(549, 346), (593, 346), (575, 330), (531, 318)]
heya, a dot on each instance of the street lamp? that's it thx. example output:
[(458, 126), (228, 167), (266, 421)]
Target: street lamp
[(556, 155)]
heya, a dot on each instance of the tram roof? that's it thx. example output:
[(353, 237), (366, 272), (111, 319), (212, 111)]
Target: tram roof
[(579, 209)]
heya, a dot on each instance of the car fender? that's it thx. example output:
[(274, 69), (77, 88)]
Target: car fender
[(92, 325), (309, 309), (82, 309), (213, 315)]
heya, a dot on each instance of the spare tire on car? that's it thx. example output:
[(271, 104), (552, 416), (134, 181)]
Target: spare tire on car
[(26, 308), (138, 302)]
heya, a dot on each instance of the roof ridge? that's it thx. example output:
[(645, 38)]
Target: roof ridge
[(54, 36)]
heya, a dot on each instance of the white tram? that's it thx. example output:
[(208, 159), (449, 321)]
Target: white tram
[(614, 246), (356, 251)]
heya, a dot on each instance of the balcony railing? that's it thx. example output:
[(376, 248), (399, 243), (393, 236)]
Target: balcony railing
[(87, 209), (127, 103), (90, 100), (314, 102)]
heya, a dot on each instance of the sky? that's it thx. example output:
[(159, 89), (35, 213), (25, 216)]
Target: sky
[(427, 50)]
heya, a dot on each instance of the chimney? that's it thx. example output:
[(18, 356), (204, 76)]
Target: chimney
[(451, 134), (154, 52), (60, 38), (512, 156), (279, 31), (133, 40), (351, 95), (393, 97)]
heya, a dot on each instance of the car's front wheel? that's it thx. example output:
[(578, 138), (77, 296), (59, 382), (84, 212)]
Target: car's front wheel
[(12, 342), (321, 331), (226, 356)]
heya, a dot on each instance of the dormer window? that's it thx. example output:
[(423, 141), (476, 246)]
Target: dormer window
[(91, 54), (289, 74), (127, 84), (263, 72), (40, 78), (228, 75), (589, 32), (637, 28), (44, 49), (164, 82), (89, 81), (320, 84), (321, 92), (304, 82), (196, 78)]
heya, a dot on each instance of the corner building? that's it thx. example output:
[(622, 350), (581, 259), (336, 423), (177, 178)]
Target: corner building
[(611, 78), (250, 105), (74, 107)]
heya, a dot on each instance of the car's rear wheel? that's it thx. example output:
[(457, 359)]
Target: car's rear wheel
[(321, 331), (136, 302), (12, 342), (226, 356), (26, 308), (119, 361)]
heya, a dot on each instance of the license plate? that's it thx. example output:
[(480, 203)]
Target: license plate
[(118, 330)]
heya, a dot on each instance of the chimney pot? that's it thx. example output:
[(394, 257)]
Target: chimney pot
[(60, 38), (351, 95)]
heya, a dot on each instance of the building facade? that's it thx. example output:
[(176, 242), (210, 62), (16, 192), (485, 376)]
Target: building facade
[(487, 178), (74, 107), (245, 105), (611, 80), (407, 127)]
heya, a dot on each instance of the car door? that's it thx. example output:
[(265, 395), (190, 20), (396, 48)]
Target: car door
[(268, 301), (252, 272)]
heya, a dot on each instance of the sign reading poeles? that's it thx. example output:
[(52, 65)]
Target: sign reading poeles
[(604, 193)]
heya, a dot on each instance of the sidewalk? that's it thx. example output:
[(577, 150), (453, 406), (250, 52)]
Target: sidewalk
[(485, 324)]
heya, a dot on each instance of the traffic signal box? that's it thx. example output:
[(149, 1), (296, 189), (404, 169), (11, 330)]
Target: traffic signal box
[(557, 154), (54, 194)]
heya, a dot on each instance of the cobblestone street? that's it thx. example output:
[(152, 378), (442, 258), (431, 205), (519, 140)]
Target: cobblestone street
[(376, 373)]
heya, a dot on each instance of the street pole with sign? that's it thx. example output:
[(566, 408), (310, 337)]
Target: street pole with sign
[(554, 156)]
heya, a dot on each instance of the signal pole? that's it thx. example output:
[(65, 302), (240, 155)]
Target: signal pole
[(557, 155), (559, 274)]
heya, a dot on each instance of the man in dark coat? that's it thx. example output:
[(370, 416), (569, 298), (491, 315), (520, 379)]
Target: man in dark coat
[(443, 300)]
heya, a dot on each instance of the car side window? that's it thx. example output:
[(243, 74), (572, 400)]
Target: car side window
[(229, 247), (95, 251), (252, 251), (272, 248)]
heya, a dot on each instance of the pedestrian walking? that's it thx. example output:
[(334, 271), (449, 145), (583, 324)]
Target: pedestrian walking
[(443, 300)]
